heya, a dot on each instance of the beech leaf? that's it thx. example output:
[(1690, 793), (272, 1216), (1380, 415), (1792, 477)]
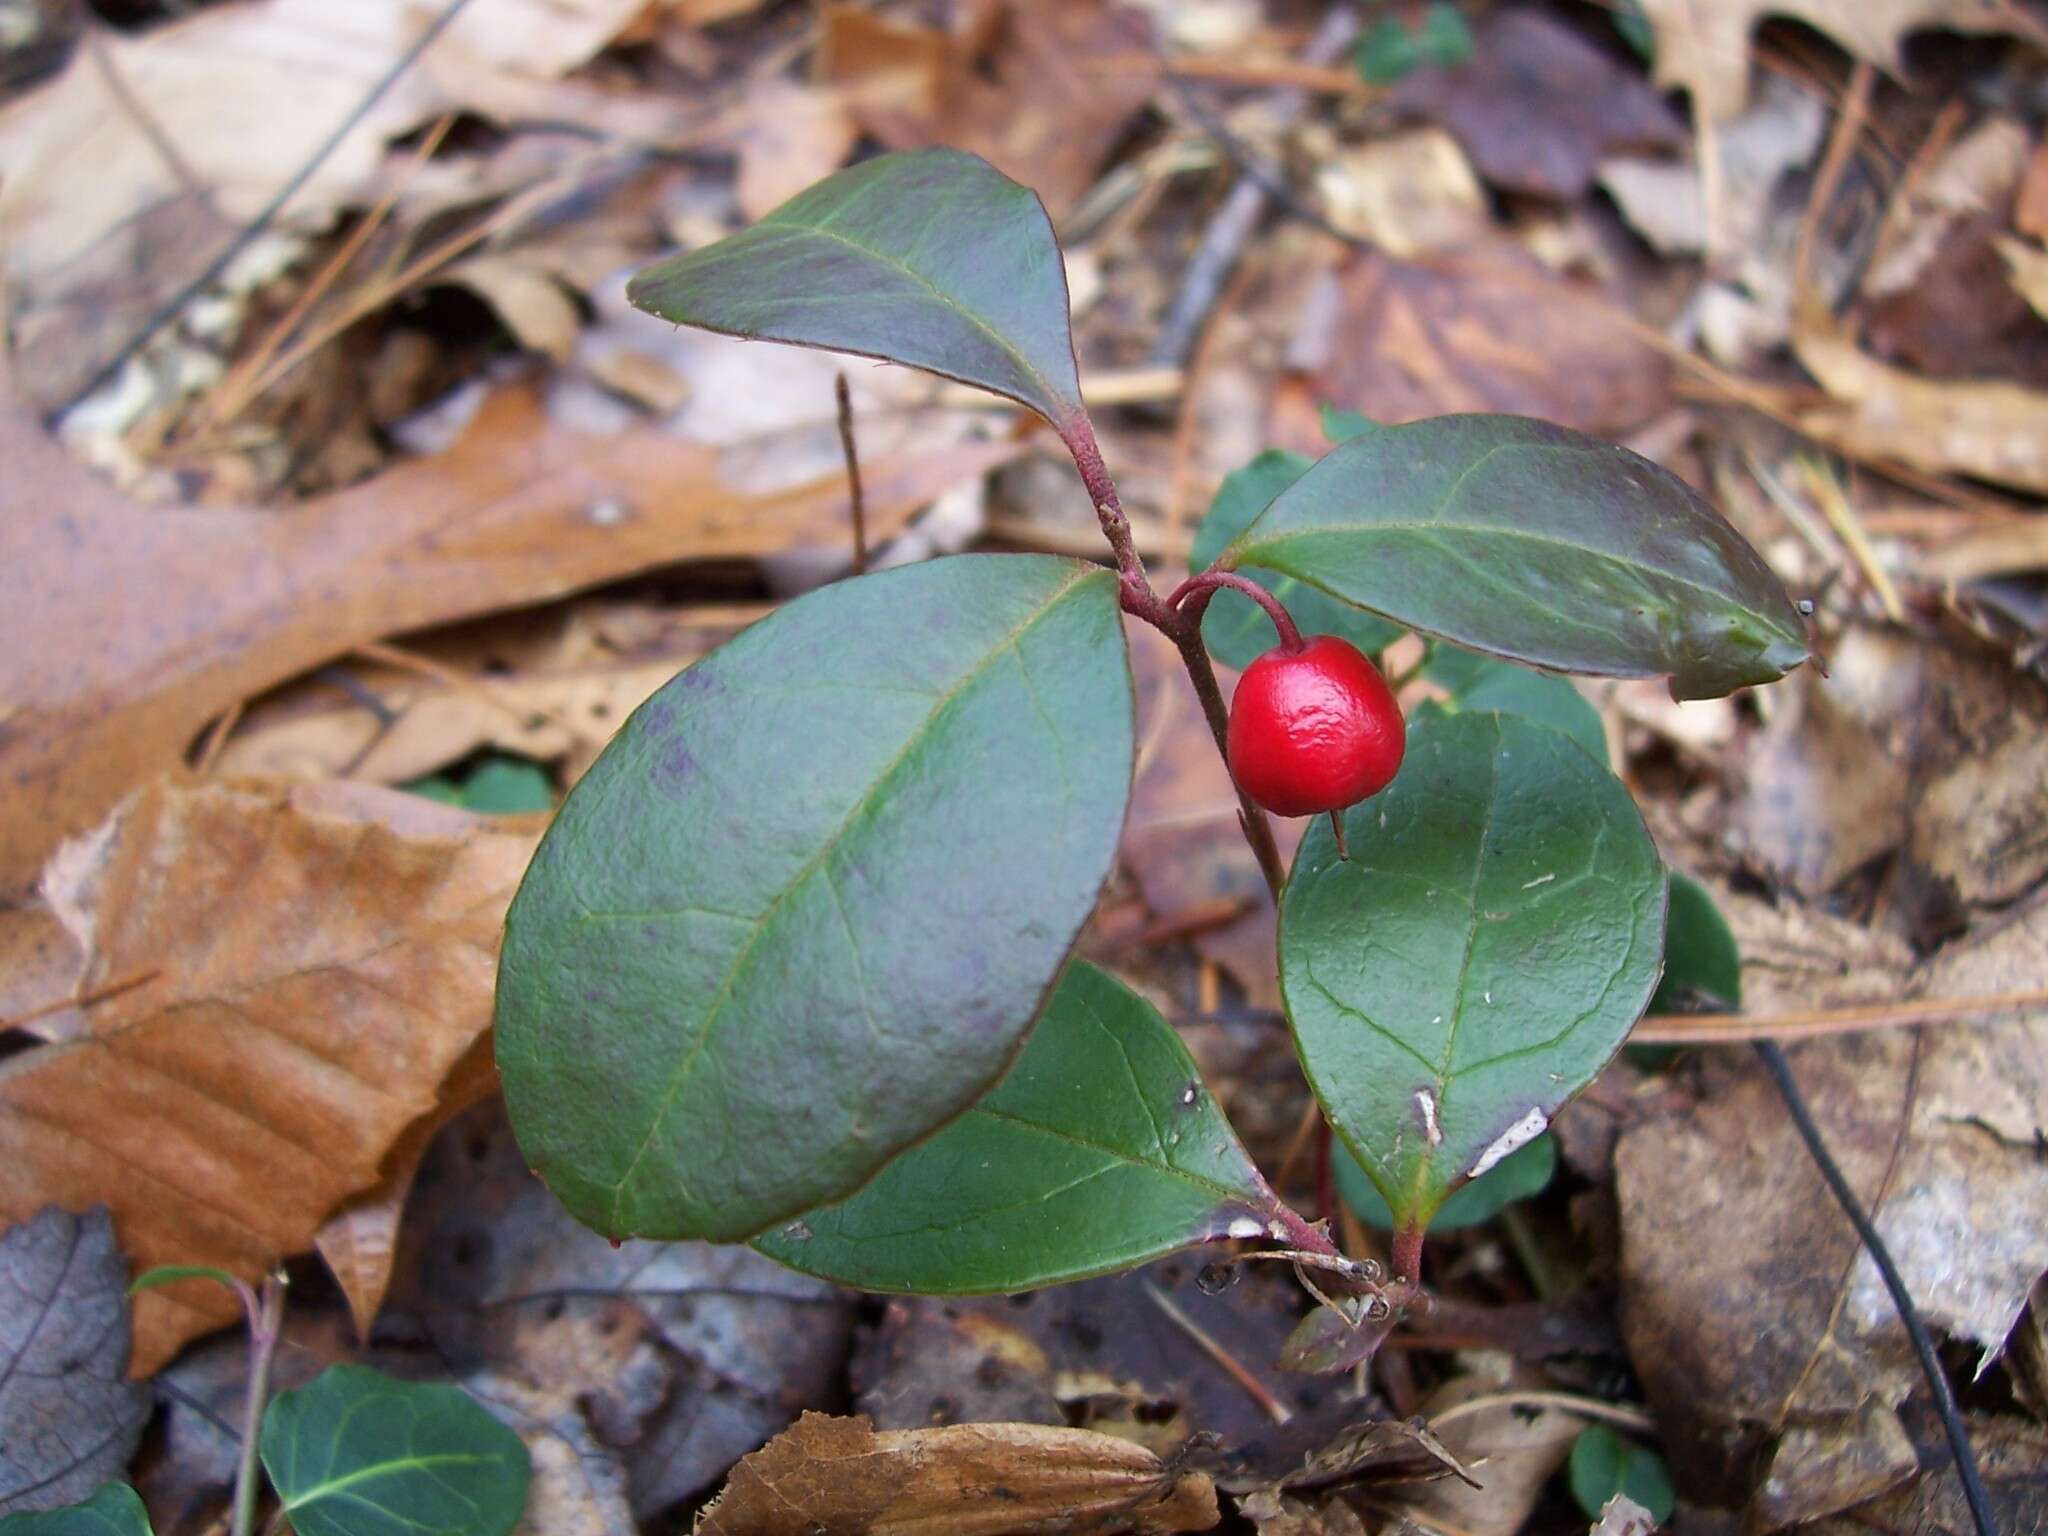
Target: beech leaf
[(293, 975)]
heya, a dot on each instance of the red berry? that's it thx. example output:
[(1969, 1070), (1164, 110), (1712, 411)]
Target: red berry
[(1314, 730)]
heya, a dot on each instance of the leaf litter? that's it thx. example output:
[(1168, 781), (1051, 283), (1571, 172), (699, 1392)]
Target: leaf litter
[(409, 483)]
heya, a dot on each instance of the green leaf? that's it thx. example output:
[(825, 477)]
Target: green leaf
[(1340, 425), (115, 1510), (1528, 541), (503, 785), (1517, 1177), (1604, 1464), (1496, 931), (171, 1274), (803, 909), (1445, 38), (1236, 629), (1633, 23), (1479, 683), (358, 1453), (1386, 52), (932, 258), (1100, 1150), (1702, 962)]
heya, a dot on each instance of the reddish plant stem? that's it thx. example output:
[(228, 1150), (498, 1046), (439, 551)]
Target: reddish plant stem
[(1182, 627), (1408, 1255), (1257, 830), (1209, 582)]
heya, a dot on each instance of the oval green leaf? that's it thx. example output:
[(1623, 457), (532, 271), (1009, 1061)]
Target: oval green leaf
[(1702, 962), (1235, 628), (932, 258), (1518, 1176), (115, 1510), (1603, 1464), (1496, 931), (358, 1453), (1100, 1150), (803, 909), (1480, 683), (1542, 545)]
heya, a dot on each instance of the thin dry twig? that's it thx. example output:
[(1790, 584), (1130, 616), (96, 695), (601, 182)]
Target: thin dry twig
[(1734, 1028), (1275, 1410)]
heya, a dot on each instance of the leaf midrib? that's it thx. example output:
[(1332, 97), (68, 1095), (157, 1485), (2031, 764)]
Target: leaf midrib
[(1002, 342), (860, 804), (348, 1480)]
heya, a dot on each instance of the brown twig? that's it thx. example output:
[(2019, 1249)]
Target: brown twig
[(844, 396), (1732, 1028), (1274, 1409), (84, 999)]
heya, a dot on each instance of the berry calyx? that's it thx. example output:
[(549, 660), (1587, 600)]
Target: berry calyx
[(1314, 729)]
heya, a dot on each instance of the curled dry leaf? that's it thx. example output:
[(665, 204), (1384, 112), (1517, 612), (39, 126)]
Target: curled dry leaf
[(68, 1420), (319, 960), (1706, 49), (1537, 105), (132, 628), (838, 1477), (1985, 428)]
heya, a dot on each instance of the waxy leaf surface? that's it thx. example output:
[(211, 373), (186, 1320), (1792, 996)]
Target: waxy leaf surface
[(1100, 1150), (1235, 628), (359, 1453), (1495, 933), (1525, 540), (932, 258), (802, 911), (1515, 1177)]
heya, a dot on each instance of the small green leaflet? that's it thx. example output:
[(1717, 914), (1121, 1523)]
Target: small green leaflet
[(932, 258), (115, 1510), (1702, 963), (803, 909), (1538, 544), (1099, 1151), (1235, 628), (1603, 1464), (1494, 935), (358, 1453)]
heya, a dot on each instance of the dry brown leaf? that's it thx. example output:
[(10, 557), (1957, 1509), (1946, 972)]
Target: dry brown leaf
[(1014, 93), (1282, 1514), (134, 626), (1713, 1196), (795, 134), (534, 306), (1831, 1464), (1996, 431), (1509, 1451), (1407, 193), (2030, 208), (321, 960), (837, 1477), (1537, 105), (1486, 330), (1703, 45), (2029, 267), (359, 1242)]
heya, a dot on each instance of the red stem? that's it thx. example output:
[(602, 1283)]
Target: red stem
[(1209, 581), (1408, 1255)]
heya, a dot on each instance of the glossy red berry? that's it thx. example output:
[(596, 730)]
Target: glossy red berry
[(1314, 730)]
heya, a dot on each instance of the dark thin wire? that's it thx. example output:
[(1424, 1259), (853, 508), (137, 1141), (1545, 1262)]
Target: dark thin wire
[(175, 306), (1937, 1380)]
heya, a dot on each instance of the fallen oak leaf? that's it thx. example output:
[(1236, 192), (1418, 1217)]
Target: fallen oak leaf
[(326, 957), (837, 1477), (130, 627)]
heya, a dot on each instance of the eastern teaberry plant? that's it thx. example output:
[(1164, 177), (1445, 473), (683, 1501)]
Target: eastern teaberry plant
[(791, 967)]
